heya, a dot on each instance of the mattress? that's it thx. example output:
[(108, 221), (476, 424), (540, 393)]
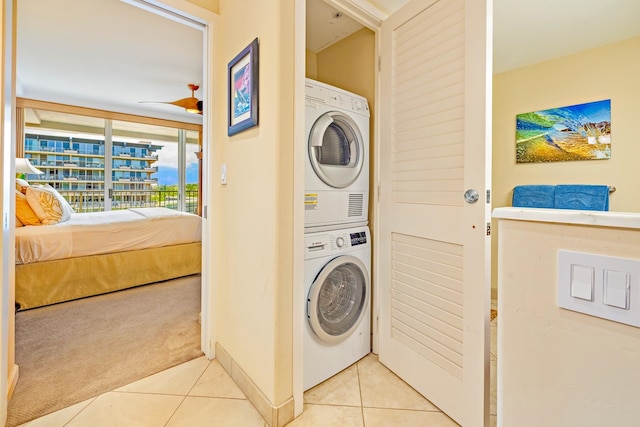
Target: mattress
[(96, 233)]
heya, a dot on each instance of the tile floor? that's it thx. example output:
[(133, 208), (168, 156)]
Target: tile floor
[(201, 393)]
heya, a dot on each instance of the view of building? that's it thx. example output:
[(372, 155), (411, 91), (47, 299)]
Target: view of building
[(76, 168)]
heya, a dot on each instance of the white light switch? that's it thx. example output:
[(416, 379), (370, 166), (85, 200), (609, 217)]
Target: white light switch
[(582, 281), (223, 174), (616, 289), (599, 285)]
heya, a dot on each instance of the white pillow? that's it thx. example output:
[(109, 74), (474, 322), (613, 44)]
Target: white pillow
[(48, 204), (20, 183)]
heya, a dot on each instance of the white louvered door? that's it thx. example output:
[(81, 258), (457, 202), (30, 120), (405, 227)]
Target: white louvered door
[(433, 247)]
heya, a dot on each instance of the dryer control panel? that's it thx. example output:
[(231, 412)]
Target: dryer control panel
[(323, 94)]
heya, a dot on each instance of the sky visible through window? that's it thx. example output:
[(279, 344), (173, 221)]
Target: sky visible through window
[(168, 164)]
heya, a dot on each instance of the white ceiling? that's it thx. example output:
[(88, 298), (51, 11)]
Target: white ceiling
[(106, 54), (530, 31), (525, 31), (111, 55), (326, 26)]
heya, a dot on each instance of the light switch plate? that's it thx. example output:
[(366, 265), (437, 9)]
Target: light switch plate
[(582, 281), (618, 277), (616, 289)]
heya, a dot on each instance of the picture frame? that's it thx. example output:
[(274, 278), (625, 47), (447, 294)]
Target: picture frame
[(242, 109), (571, 132)]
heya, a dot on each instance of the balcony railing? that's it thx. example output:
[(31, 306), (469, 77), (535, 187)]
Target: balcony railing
[(93, 200)]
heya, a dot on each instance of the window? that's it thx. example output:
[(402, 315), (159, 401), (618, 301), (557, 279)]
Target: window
[(130, 165)]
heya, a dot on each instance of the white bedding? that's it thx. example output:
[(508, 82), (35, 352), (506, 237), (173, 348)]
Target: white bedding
[(106, 232)]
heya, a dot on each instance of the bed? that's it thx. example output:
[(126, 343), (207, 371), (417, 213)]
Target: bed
[(95, 253)]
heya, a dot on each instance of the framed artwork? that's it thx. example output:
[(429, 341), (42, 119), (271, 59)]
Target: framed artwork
[(243, 90), (575, 132)]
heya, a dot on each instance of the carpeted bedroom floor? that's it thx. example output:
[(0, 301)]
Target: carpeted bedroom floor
[(73, 351)]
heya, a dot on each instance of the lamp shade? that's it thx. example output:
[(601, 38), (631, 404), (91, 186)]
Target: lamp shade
[(25, 166)]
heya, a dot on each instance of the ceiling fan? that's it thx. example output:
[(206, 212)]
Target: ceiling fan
[(190, 104)]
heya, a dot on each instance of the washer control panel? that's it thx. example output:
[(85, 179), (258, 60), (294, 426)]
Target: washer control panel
[(358, 238), (335, 241)]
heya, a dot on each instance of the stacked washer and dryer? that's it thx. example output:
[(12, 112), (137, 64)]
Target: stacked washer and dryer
[(337, 240)]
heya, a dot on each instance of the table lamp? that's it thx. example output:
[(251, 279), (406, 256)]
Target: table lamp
[(24, 166)]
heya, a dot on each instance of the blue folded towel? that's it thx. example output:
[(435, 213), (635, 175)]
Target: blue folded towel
[(583, 197), (533, 196)]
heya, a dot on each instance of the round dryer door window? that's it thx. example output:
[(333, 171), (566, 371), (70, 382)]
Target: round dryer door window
[(338, 299), (336, 149)]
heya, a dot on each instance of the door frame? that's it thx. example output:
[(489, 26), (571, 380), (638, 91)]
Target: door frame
[(182, 8), (371, 17)]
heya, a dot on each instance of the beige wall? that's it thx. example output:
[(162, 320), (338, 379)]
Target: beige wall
[(350, 65), (559, 367), (253, 212), (609, 72), (212, 5), (311, 65)]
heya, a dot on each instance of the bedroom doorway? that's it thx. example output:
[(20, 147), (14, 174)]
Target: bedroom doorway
[(176, 8)]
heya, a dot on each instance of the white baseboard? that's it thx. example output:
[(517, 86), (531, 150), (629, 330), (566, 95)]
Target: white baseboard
[(275, 416), (13, 380)]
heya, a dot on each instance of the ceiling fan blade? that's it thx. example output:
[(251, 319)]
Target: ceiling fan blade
[(191, 104)]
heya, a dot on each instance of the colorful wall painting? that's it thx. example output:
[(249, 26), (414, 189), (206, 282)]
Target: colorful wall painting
[(576, 132)]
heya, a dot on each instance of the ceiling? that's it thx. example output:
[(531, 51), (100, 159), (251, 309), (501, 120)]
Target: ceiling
[(525, 32), (106, 54), (109, 54)]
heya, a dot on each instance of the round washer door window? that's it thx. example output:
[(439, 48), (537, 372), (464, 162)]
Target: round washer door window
[(338, 298), (336, 150)]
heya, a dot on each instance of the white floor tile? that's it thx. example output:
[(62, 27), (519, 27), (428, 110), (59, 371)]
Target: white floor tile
[(329, 415), (207, 411), (177, 380), (374, 417), (381, 388), (342, 389), (117, 409), (494, 342), (493, 408), (59, 418), (216, 382)]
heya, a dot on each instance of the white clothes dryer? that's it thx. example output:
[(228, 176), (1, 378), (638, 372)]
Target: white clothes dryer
[(337, 302), (337, 165)]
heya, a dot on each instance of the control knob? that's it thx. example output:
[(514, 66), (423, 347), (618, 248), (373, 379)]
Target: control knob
[(339, 242)]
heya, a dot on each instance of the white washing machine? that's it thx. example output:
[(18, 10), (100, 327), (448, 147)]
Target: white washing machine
[(337, 165), (338, 298)]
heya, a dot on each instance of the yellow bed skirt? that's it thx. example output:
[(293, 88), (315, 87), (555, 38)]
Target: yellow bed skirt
[(50, 282)]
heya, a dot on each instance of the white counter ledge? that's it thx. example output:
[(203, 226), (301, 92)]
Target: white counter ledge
[(564, 216)]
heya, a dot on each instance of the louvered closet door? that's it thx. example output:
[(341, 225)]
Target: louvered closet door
[(433, 247)]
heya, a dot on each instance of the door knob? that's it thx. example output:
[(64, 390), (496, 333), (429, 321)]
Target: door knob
[(471, 196)]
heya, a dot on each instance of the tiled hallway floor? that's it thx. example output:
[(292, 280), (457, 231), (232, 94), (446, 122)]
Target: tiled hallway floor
[(201, 393)]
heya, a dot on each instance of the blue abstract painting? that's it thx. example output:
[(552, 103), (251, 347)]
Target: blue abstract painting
[(576, 132)]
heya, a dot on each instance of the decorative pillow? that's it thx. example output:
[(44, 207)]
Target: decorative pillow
[(21, 185), (48, 204), (24, 214), (18, 222)]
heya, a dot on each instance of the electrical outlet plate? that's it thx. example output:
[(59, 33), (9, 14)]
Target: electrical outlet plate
[(616, 286)]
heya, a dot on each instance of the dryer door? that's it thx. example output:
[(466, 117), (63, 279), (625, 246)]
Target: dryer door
[(338, 299), (336, 149)]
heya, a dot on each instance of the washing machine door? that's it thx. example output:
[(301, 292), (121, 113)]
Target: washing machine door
[(338, 299), (336, 149)]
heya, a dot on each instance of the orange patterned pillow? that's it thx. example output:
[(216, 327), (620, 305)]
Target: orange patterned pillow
[(24, 213)]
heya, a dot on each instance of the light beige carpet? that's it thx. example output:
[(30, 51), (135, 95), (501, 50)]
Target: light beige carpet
[(70, 352)]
